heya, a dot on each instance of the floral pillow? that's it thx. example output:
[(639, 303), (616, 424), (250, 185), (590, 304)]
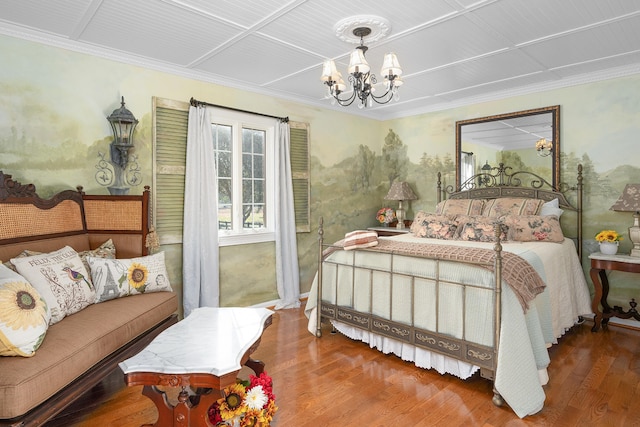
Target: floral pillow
[(433, 226), (460, 207), (534, 228), (512, 206), (61, 279), (24, 315), (116, 278), (479, 228)]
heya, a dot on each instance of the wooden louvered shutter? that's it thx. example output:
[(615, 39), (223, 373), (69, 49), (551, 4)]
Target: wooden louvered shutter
[(170, 158), (299, 137)]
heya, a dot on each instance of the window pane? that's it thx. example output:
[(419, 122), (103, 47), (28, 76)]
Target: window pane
[(222, 136), (258, 141), (246, 165), (247, 136), (258, 166), (225, 221), (247, 191), (223, 164), (253, 216), (258, 191)]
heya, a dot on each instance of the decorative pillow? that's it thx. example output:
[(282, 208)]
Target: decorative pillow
[(532, 228), (24, 315), (60, 278), (434, 227), (105, 250), (22, 254), (479, 228), (460, 207), (417, 221), (360, 239), (512, 206), (551, 208), (115, 278)]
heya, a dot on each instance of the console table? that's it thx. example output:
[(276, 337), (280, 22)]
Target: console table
[(201, 354), (600, 263)]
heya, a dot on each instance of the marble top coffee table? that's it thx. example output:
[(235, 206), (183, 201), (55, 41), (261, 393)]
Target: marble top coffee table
[(200, 354)]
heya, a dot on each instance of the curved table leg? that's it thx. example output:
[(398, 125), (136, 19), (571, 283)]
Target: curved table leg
[(599, 297)]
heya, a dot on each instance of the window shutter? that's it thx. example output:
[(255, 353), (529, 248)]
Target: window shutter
[(299, 138), (170, 157)]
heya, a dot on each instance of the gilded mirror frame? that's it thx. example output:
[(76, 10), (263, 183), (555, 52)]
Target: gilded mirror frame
[(555, 123)]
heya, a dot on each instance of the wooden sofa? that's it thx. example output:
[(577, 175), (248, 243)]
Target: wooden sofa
[(83, 348)]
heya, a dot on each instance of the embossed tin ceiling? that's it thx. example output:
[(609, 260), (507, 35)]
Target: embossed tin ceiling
[(453, 52)]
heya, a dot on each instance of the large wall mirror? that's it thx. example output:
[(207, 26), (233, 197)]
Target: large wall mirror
[(523, 140)]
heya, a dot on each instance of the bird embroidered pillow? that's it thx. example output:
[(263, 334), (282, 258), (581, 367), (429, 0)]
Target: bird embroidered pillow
[(116, 278), (61, 279)]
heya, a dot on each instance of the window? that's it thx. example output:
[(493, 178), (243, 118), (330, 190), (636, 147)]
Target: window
[(170, 141), (244, 145)]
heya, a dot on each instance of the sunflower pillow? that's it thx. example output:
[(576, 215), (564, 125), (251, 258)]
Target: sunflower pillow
[(116, 278), (24, 315)]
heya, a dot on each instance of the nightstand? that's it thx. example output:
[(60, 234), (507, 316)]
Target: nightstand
[(600, 263), (389, 231)]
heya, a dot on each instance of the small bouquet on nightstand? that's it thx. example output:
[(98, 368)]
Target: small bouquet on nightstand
[(386, 216), (608, 241)]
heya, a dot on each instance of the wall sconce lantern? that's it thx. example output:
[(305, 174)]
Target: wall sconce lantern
[(122, 170)]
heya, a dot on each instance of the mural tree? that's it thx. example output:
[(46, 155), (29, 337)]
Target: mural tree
[(394, 157), (363, 168)]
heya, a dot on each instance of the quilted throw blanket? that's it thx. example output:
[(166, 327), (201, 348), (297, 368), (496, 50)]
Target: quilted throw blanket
[(516, 271)]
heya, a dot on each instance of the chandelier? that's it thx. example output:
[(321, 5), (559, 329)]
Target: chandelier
[(362, 83), (544, 147)]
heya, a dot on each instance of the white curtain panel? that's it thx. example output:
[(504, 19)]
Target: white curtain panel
[(287, 272), (200, 271)]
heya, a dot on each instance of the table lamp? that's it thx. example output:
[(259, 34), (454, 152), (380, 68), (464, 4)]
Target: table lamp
[(629, 201), (400, 191)]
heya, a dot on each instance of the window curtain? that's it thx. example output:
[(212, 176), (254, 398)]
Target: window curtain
[(467, 168), (287, 272), (200, 270)]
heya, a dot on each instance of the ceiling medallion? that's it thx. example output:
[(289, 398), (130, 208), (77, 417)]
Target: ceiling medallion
[(380, 28)]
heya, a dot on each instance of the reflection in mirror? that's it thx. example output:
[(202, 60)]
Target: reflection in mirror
[(524, 140)]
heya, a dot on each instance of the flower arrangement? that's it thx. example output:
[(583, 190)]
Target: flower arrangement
[(385, 215), (245, 404), (608, 236)]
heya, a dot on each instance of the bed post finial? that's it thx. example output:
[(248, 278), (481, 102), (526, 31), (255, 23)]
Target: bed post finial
[(439, 188)]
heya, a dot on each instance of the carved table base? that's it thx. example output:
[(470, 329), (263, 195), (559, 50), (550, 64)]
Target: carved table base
[(198, 393)]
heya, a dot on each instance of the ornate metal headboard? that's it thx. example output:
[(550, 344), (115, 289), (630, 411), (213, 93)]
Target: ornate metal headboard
[(501, 182)]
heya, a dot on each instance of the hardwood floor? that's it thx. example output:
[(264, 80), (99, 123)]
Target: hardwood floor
[(334, 381)]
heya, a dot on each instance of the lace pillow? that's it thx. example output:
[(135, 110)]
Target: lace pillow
[(534, 228)]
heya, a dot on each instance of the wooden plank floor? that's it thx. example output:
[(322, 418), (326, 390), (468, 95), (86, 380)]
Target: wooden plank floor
[(334, 381)]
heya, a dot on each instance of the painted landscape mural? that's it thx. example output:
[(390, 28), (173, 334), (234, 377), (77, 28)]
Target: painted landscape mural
[(54, 103)]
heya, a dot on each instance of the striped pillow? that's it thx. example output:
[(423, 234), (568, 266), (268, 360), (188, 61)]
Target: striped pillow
[(360, 239)]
